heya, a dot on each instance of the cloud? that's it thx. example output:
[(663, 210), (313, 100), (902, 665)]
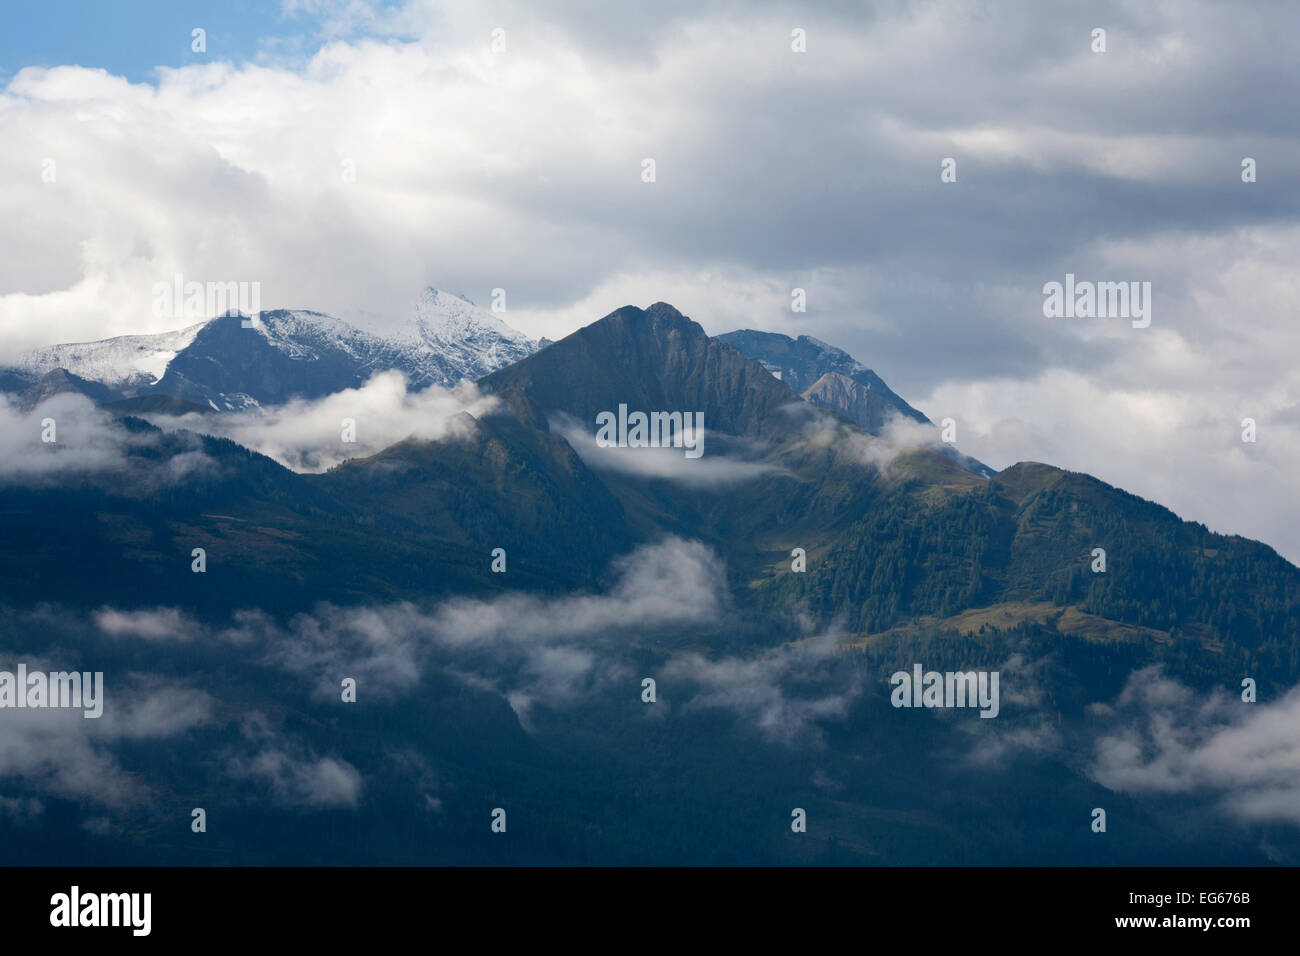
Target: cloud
[(153, 708), (1025, 725), (58, 752), (88, 443), (86, 440), (899, 436), (302, 780), (307, 436), (158, 624), (289, 767), (706, 471), (1174, 740), (672, 582), (382, 648), (524, 647), (784, 692), (536, 157), (996, 746), (21, 809)]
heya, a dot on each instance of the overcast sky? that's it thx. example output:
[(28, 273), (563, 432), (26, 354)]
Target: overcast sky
[(521, 169)]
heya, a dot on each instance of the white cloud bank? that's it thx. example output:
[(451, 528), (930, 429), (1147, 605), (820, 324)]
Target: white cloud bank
[(58, 752), (308, 435), (87, 442), (671, 464), (525, 647), (1177, 741)]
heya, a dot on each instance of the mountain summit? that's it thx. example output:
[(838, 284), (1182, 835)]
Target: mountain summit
[(471, 340), (653, 358)]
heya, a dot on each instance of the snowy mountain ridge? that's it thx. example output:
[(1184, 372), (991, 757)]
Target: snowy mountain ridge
[(289, 352), (130, 361)]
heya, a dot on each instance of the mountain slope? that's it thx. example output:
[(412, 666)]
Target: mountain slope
[(274, 540), (840, 393), (123, 363), (60, 381), (831, 378), (1028, 537), (504, 482), (802, 362)]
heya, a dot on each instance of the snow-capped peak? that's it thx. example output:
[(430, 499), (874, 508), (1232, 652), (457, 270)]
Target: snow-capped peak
[(302, 334), (127, 360), (439, 319), (442, 316)]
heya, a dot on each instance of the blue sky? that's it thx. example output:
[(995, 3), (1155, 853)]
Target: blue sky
[(133, 39)]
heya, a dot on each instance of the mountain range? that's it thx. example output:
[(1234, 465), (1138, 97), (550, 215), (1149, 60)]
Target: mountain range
[(626, 562), (303, 354), (233, 362)]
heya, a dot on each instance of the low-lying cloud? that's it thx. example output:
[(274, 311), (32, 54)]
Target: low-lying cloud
[(292, 771), (157, 624), (68, 437), (898, 436), (710, 470), (57, 752), (525, 647), (315, 435), (1178, 741), (784, 692)]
